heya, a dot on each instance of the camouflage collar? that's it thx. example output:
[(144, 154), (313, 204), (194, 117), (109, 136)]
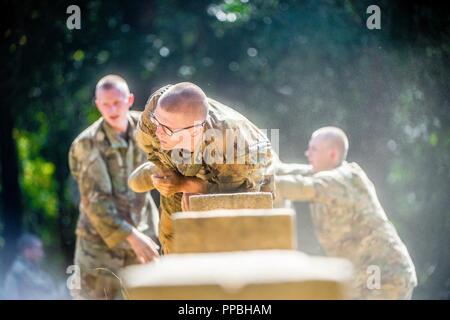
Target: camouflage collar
[(114, 138)]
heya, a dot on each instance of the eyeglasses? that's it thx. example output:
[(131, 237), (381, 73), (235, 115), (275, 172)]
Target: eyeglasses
[(167, 130)]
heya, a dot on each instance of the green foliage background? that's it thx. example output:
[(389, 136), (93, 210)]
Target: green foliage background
[(292, 65)]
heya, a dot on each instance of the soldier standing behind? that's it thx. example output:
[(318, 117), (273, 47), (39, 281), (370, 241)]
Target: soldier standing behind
[(348, 218), (115, 226)]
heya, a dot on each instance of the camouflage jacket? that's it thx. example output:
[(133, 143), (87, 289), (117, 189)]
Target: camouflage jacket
[(348, 218), (226, 165), (101, 161)]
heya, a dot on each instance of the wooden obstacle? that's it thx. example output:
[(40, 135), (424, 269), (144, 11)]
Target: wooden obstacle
[(234, 230), (245, 200)]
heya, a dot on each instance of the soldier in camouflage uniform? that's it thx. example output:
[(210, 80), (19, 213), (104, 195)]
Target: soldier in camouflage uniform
[(26, 279), (348, 218), (116, 225), (197, 145)]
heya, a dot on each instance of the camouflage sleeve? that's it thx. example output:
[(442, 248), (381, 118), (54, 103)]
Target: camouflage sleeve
[(140, 179), (283, 169), (233, 178), (322, 187), (96, 196)]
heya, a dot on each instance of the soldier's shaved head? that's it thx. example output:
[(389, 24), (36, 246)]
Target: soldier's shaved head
[(335, 137), (327, 148), (114, 100), (184, 97), (30, 246), (182, 108), (112, 81)]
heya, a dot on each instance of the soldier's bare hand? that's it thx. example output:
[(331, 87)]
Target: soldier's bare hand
[(143, 246), (169, 184), (164, 172)]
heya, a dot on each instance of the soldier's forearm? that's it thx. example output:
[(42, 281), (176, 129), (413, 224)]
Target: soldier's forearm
[(194, 185), (140, 179), (294, 187), (283, 169), (102, 213)]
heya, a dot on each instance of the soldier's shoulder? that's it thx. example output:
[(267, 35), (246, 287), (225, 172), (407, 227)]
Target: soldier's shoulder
[(332, 174), (135, 115), (349, 176), (347, 170), (151, 101), (161, 90), (351, 170), (359, 175), (357, 169), (85, 141), (223, 114), (341, 176)]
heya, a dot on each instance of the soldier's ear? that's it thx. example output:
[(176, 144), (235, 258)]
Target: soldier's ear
[(130, 100), (96, 103), (332, 154), (335, 155)]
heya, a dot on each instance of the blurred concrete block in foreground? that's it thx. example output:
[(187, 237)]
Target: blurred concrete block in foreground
[(265, 274), (245, 200), (234, 230)]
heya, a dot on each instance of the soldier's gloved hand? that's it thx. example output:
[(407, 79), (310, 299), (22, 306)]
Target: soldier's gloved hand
[(143, 246)]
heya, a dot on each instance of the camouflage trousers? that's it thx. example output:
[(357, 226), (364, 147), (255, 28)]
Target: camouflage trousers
[(169, 205), (99, 267)]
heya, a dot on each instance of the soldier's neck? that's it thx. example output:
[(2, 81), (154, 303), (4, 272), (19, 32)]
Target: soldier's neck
[(122, 130)]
